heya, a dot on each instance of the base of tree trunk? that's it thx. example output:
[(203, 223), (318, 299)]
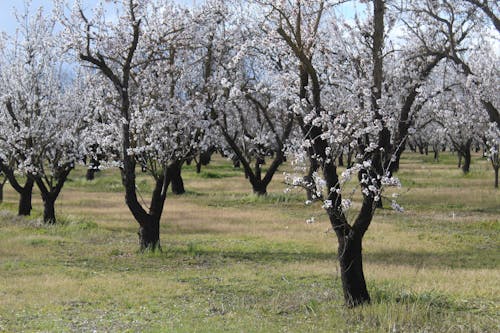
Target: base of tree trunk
[(49, 212), (351, 269), (91, 174), (260, 191), (466, 165), (149, 237)]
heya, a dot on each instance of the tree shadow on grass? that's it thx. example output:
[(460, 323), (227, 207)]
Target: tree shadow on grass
[(486, 259), (470, 259)]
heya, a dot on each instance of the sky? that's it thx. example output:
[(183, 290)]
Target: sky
[(8, 20)]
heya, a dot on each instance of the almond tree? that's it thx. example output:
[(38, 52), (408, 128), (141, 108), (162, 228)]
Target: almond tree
[(333, 118), (244, 88), (40, 114), (464, 32), (144, 117)]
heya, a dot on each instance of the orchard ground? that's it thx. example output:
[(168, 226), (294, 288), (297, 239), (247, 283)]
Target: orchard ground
[(232, 261)]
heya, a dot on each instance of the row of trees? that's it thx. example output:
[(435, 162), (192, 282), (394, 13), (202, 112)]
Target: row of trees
[(160, 85)]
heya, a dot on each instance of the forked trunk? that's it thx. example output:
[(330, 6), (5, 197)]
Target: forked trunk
[(351, 270), (25, 196)]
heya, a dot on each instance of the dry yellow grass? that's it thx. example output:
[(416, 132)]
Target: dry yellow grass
[(235, 262)]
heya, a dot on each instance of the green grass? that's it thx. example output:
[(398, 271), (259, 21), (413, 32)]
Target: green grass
[(233, 261)]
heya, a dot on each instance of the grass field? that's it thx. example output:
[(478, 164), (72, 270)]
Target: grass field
[(235, 262)]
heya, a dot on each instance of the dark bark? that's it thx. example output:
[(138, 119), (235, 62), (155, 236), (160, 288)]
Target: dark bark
[(459, 160), (92, 169), (25, 195), (2, 183), (351, 269), (467, 159), (50, 190), (149, 235), (405, 114), (259, 188), (177, 182), (49, 212), (25, 192), (496, 175), (310, 184), (350, 244), (90, 175), (436, 154), (341, 160), (382, 157), (149, 222), (421, 149)]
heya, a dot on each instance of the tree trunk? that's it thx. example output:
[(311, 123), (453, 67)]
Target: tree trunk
[(93, 168), (259, 188), (1, 191), (341, 160), (206, 157), (149, 234), (496, 176), (412, 147), (459, 159), (90, 174), (176, 178), (466, 165), (351, 270), (436, 154), (49, 212), (25, 196), (309, 180), (467, 158)]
